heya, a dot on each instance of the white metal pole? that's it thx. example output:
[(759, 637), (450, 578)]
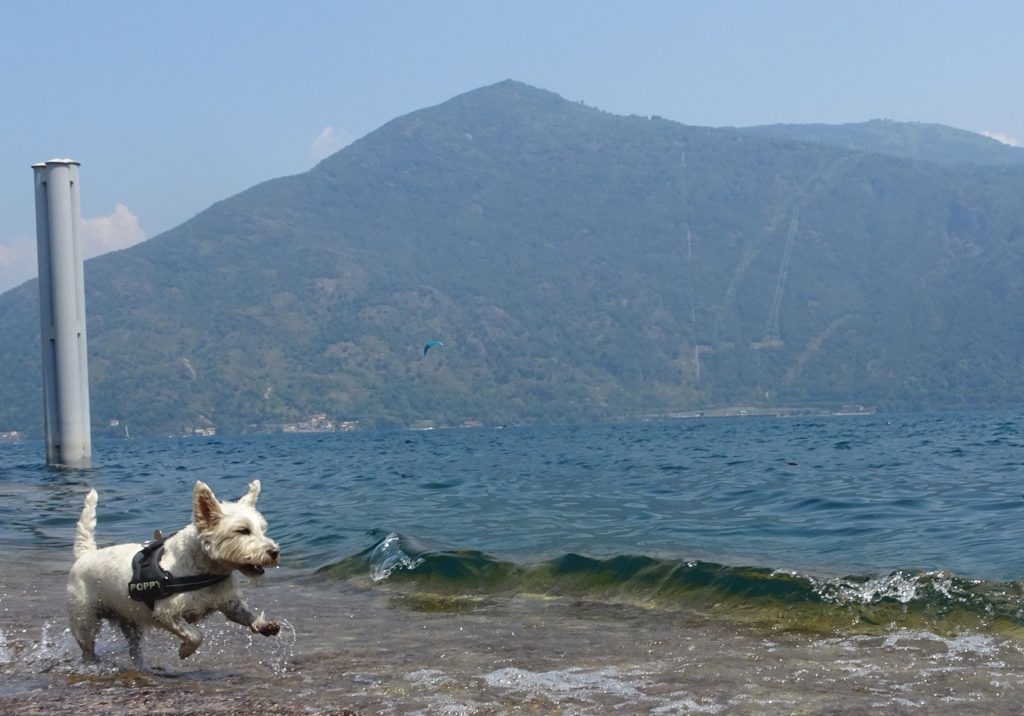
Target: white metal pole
[(62, 315)]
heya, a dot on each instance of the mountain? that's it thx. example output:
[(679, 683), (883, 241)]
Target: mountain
[(577, 265), (910, 140)]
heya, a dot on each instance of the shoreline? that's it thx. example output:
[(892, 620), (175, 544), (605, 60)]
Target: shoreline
[(354, 651), (841, 566)]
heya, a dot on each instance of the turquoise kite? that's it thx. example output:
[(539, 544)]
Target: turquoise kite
[(431, 344)]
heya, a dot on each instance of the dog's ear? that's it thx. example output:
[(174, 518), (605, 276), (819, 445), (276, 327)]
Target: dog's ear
[(249, 498), (206, 512)]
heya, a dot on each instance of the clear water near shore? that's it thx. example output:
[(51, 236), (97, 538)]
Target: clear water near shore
[(721, 566)]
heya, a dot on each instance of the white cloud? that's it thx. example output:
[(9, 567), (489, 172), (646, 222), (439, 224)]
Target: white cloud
[(119, 230), (17, 262), (8, 255), (1004, 138), (328, 142)]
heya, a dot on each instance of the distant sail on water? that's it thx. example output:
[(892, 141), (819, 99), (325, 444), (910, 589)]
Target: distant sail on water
[(431, 344)]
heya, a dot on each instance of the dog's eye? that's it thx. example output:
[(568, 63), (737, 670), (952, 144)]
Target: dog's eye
[(243, 531)]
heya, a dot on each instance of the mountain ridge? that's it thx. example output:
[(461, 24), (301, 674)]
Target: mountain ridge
[(578, 265), (919, 141)]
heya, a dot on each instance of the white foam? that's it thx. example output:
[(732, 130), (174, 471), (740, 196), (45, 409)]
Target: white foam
[(447, 706), (898, 586), (957, 647), (685, 703), (429, 677), (967, 644), (581, 684)]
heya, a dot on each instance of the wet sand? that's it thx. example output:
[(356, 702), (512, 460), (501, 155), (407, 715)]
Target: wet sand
[(135, 699), (354, 649)]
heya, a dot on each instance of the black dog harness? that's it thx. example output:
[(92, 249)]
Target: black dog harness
[(151, 582)]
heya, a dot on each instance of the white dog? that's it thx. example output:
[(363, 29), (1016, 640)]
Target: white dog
[(171, 584)]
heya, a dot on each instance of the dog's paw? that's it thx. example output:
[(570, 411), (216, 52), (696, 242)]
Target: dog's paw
[(267, 628), (187, 649)]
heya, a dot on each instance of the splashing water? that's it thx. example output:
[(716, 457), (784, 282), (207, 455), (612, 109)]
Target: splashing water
[(279, 650), (54, 650), (898, 586), (388, 556), (224, 644)]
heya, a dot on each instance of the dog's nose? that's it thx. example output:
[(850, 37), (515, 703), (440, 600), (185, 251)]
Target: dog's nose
[(274, 553)]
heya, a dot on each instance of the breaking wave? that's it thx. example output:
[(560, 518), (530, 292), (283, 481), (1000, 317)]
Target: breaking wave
[(940, 601)]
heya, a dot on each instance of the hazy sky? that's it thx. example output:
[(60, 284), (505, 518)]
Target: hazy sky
[(171, 107)]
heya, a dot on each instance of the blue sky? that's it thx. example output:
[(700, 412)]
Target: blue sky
[(171, 107)]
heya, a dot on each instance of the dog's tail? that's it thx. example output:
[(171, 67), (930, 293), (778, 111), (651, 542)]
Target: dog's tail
[(84, 541)]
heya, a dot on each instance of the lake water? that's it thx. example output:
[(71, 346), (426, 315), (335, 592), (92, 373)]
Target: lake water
[(749, 565)]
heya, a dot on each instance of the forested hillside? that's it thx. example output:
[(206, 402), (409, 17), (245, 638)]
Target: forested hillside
[(577, 265)]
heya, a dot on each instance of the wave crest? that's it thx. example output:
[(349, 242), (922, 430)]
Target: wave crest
[(940, 601), (389, 556)]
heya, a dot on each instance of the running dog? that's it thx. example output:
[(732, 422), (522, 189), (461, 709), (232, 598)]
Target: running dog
[(171, 584)]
